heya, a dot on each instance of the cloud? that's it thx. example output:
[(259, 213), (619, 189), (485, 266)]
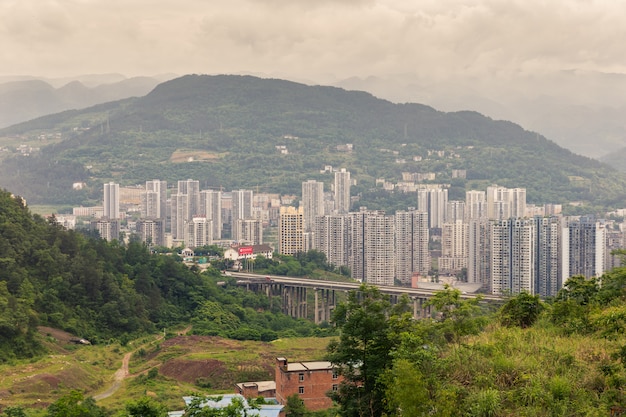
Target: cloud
[(428, 38)]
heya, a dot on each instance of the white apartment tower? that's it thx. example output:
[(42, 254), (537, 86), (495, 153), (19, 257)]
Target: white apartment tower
[(548, 256), (505, 203), (512, 256), (198, 232), (479, 253), (241, 210), (433, 201), (290, 230), (583, 247), (154, 200), (111, 201), (312, 202), (151, 231), (342, 191), (331, 237), (250, 231), (411, 244), (211, 208), (372, 256), (475, 204), (454, 246)]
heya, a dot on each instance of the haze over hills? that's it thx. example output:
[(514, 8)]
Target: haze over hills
[(26, 98), (580, 110), (242, 131)]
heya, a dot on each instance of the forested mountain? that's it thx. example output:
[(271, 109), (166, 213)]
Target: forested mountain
[(241, 131), (100, 290)]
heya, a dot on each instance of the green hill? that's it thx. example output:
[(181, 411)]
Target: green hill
[(225, 130)]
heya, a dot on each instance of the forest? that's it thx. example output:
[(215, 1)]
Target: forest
[(106, 291)]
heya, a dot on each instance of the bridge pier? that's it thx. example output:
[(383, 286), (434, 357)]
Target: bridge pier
[(328, 302), (294, 301)]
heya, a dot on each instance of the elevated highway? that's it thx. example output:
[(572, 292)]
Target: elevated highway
[(294, 294)]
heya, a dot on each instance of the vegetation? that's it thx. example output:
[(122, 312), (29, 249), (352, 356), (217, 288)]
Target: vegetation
[(224, 130), (103, 291), (564, 357)]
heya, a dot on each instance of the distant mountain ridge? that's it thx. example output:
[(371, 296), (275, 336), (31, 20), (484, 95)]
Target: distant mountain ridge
[(241, 131), (29, 98)]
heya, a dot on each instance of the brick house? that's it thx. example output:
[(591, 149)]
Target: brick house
[(265, 389), (310, 380)]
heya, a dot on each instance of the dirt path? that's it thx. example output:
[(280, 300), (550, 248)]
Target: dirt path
[(123, 373)]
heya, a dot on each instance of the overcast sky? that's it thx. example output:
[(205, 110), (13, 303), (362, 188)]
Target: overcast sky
[(319, 40)]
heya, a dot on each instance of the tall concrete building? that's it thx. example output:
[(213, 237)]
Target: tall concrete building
[(154, 199), (455, 210), (180, 215), (151, 231), (198, 232), (434, 202), (512, 256), (312, 202), (250, 231), (241, 210), (479, 253), (505, 203), (211, 208), (332, 234), (111, 201), (583, 247), (109, 229), (372, 256), (290, 230), (411, 245), (548, 263), (454, 246), (342, 191), (475, 204)]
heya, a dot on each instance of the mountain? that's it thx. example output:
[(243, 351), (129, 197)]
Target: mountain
[(582, 111), (26, 99), (242, 131)]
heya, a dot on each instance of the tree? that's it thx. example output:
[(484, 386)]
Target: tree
[(295, 406), (367, 323), (210, 407), (146, 407), (521, 310), (75, 405)]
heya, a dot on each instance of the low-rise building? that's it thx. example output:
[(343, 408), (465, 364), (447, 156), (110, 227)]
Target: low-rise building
[(310, 380)]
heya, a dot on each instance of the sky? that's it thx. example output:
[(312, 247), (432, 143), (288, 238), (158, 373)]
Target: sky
[(319, 40), (554, 66)]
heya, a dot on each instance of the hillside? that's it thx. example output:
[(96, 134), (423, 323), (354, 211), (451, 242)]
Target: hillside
[(225, 130)]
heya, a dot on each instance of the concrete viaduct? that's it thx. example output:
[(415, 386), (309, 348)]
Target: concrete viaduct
[(294, 294)]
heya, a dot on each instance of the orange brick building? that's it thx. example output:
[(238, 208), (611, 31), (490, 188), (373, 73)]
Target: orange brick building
[(310, 380)]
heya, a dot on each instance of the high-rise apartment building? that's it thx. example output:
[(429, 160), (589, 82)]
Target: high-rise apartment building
[(342, 191), (151, 231), (332, 234), (583, 247), (154, 199), (290, 230), (479, 253), (211, 208), (411, 245), (198, 232), (109, 229), (475, 204), (111, 201), (454, 246), (179, 213), (241, 210), (250, 231), (312, 202), (455, 210), (512, 256), (505, 203), (548, 263), (434, 202), (372, 256)]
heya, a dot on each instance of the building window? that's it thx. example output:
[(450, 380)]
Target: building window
[(300, 390), (335, 374), (335, 387), (300, 377)]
